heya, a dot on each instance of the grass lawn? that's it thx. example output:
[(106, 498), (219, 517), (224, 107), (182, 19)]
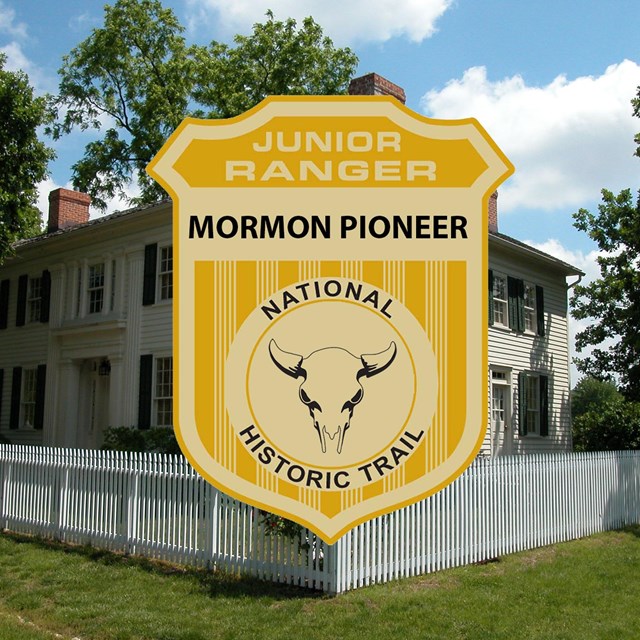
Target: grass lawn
[(585, 589)]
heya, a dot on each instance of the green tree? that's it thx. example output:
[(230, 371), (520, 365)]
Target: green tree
[(590, 394), (276, 59), (613, 426), (131, 80), (23, 157), (612, 302), (135, 79), (635, 103)]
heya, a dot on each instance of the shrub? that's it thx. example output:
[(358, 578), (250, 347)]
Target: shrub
[(613, 426), (158, 440)]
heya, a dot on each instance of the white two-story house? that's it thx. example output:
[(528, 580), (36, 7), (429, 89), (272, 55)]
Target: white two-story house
[(86, 329)]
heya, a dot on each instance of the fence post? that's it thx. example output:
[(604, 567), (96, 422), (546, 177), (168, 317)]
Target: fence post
[(63, 497), (6, 484), (133, 460)]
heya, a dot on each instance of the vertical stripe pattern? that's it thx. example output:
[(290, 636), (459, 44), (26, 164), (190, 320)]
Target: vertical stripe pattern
[(229, 291)]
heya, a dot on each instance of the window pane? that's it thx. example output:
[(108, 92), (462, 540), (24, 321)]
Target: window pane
[(499, 288), (29, 397), (499, 299), (533, 404), (164, 392), (165, 273), (34, 299), (529, 307), (95, 288)]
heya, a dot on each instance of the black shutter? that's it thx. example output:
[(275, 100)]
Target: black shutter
[(149, 284), (521, 323), (1, 390), (544, 405), (522, 403), (41, 381), (46, 296), (21, 312), (540, 309), (4, 303), (491, 312), (515, 292), (16, 384), (145, 394)]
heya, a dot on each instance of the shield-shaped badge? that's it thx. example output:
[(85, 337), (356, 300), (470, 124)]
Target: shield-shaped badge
[(330, 303)]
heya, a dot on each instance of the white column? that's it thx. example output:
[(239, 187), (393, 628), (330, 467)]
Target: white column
[(116, 389), (106, 303), (133, 309), (84, 284), (73, 278), (69, 407)]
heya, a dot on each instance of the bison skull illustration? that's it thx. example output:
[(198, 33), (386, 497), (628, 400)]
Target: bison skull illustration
[(331, 386)]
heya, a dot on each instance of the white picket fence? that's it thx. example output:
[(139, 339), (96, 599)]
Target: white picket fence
[(158, 506)]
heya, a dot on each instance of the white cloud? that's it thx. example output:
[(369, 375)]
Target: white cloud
[(344, 22), (16, 59), (82, 21), (584, 261), (567, 140), (8, 23)]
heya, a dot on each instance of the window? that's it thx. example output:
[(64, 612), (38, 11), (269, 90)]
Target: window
[(163, 393), (534, 404), (516, 304), (530, 317), (165, 273), (500, 299), (29, 395), (34, 296), (532, 408), (501, 417), (95, 288), (34, 300)]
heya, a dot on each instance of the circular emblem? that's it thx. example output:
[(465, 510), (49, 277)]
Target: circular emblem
[(331, 383)]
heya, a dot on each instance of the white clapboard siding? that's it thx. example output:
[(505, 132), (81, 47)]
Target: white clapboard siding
[(549, 354), (158, 506)]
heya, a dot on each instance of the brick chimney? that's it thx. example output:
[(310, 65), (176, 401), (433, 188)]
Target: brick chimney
[(67, 209), (374, 85), (493, 212)]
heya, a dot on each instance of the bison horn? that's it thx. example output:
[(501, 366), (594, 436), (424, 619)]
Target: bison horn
[(375, 363), (289, 363)]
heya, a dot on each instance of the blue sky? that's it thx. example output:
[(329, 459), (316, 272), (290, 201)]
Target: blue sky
[(550, 81)]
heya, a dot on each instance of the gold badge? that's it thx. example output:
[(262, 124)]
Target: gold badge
[(330, 308)]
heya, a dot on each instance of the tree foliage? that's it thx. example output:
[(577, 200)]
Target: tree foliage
[(612, 302), (23, 157), (276, 59), (613, 426), (590, 394), (156, 440), (131, 80), (134, 80), (635, 103)]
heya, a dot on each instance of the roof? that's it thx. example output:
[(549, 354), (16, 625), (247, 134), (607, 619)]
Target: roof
[(91, 223), (516, 245)]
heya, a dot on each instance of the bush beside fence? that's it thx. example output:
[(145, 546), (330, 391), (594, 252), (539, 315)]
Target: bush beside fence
[(158, 506)]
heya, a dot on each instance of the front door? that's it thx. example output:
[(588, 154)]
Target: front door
[(94, 403), (502, 435)]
